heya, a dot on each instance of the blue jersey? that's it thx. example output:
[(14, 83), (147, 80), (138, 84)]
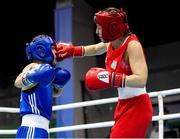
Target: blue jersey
[(37, 101)]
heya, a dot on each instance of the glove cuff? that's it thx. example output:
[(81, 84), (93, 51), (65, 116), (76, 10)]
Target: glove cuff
[(26, 82), (119, 80), (79, 51)]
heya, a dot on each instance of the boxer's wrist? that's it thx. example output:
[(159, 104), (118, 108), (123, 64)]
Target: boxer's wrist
[(118, 80), (79, 51), (25, 81)]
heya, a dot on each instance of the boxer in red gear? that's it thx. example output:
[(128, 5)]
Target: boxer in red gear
[(125, 69)]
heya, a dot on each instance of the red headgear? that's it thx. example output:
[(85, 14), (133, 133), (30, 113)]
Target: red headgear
[(113, 22)]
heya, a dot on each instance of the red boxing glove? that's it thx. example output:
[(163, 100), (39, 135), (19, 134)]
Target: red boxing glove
[(99, 79), (65, 50)]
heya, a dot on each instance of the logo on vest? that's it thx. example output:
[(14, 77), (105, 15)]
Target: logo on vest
[(103, 76), (114, 64)]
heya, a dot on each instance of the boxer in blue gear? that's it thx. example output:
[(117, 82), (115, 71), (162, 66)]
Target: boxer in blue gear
[(39, 81)]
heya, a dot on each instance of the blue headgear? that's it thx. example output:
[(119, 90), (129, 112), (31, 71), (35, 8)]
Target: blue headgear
[(40, 48)]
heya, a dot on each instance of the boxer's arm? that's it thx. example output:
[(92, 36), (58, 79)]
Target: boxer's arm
[(95, 49), (43, 74), (138, 65), (64, 50), (56, 90), (18, 81)]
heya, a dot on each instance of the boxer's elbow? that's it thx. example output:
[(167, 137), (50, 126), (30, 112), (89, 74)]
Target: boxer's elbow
[(18, 82), (142, 81)]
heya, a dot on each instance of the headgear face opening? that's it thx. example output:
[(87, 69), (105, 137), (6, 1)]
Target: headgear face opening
[(40, 48), (113, 22)]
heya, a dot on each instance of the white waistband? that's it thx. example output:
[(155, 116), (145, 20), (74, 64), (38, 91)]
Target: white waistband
[(129, 92), (33, 120)]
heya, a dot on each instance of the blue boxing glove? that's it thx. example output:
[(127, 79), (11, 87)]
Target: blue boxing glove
[(42, 74), (61, 78)]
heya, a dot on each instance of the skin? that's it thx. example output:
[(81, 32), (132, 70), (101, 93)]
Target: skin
[(134, 56)]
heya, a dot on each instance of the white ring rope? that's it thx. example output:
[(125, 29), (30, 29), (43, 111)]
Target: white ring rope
[(83, 126), (160, 117), (161, 113), (9, 110), (86, 103)]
